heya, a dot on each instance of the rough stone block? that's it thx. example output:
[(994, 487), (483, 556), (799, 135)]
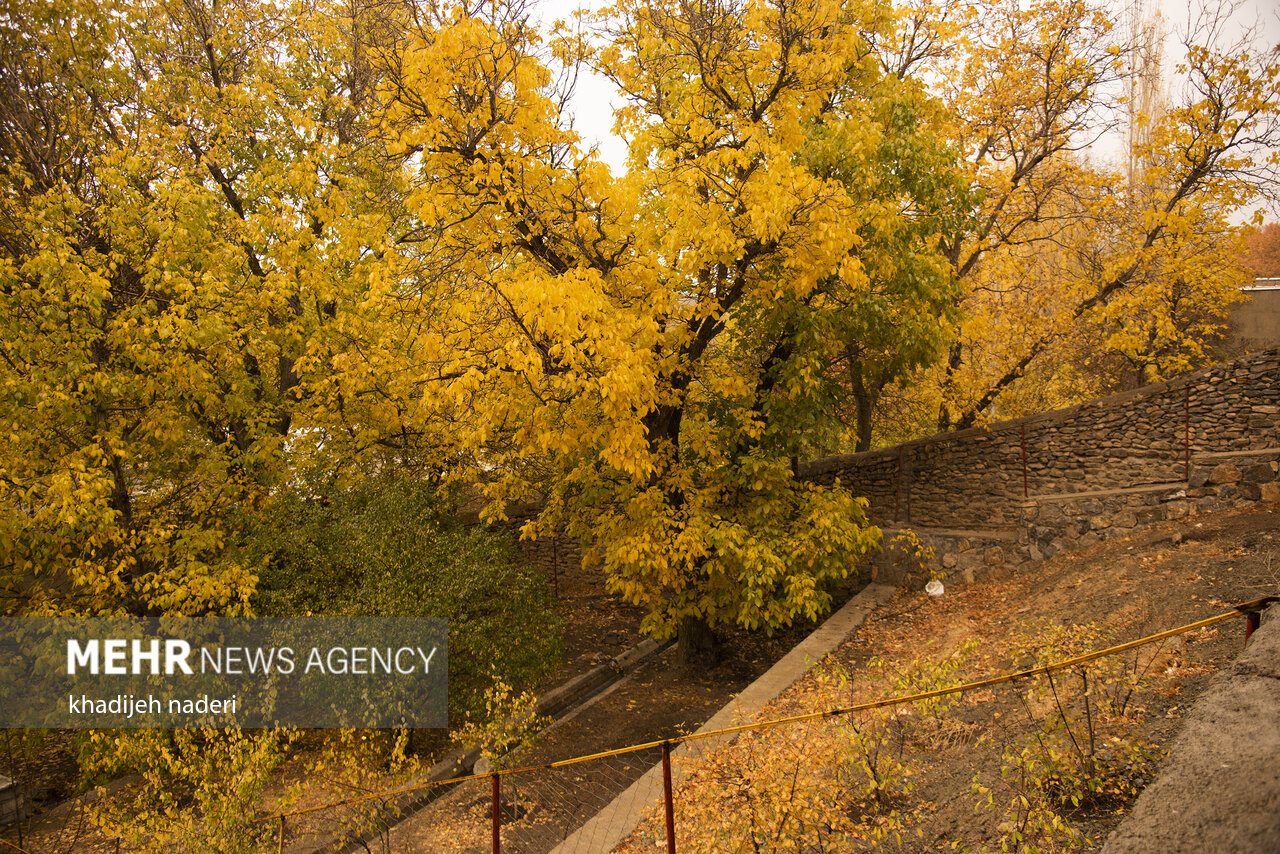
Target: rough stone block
[(1270, 491), (1148, 516), (1125, 519), (1176, 510), (1248, 491), (993, 556), (1224, 473), (1260, 473)]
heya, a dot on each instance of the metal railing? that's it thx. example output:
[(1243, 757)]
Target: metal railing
[(509, 829)]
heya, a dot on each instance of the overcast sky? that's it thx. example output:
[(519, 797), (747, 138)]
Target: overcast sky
[(595, 97)]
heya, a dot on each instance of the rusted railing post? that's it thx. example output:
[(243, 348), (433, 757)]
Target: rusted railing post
[(497, 815), (666, 795), (1252, 620), (897, 493), (1186, 433), (1024, 460), (1253, 614)]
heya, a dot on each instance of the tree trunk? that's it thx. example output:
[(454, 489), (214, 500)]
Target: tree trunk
[(866, 408), (954, 359), (866, 397), (696, 644)]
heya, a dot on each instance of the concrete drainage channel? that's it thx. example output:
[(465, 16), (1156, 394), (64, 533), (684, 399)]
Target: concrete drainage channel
[(616, 821), (559, 704), (621, 816), (1219, 788)]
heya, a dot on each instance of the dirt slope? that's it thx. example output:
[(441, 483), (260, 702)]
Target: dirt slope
[(1158, 578)]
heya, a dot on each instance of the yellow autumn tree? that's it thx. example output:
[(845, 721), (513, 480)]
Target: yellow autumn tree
[(1078, 276), (185, 238), (1262, 247), (650, 353), (243, 239), (192, 233)]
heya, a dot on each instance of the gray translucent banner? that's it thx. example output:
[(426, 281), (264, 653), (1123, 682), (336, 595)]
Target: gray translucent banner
[(311, 672)]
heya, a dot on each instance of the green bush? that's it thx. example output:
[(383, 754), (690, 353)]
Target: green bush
[(391, 546)]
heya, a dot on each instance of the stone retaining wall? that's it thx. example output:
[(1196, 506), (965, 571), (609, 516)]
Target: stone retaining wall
[(981, 476), (991, 499)]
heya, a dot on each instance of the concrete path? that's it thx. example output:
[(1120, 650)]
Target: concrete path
[(616, 821), (1219, 789)]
